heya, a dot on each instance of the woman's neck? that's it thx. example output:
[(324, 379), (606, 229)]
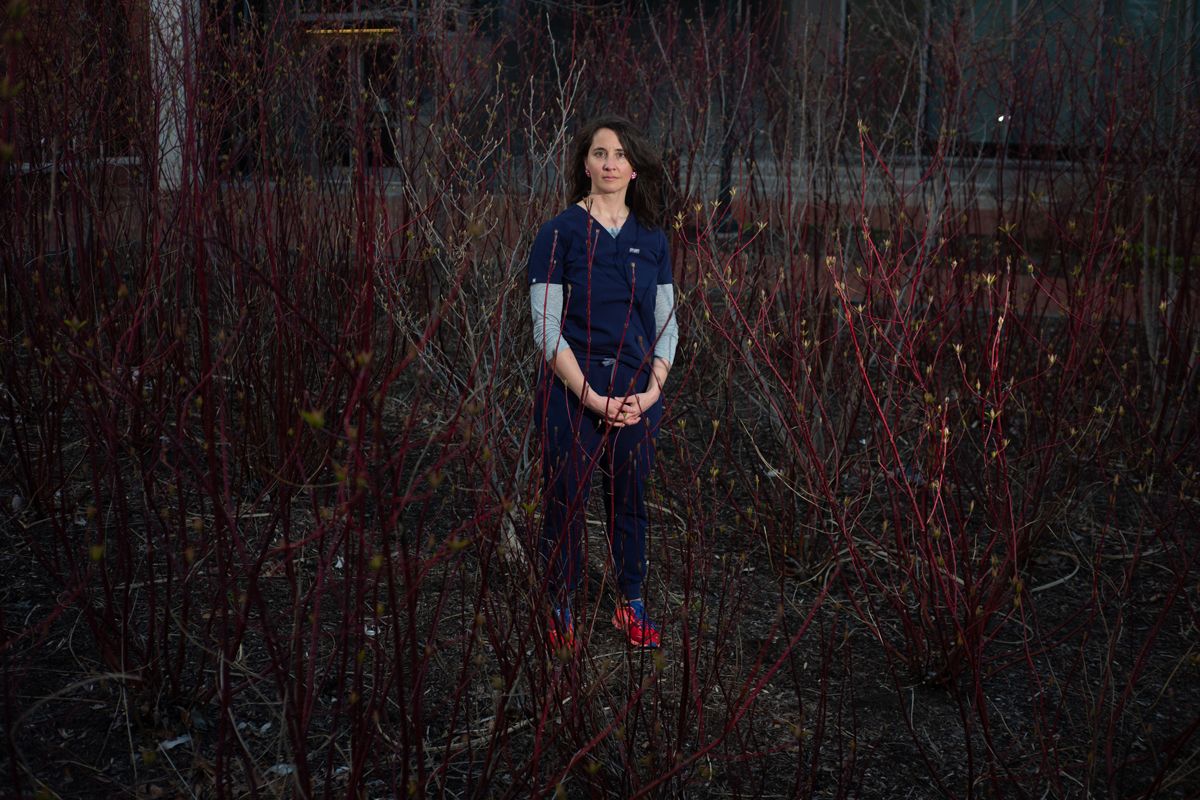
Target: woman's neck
[(606, 207)]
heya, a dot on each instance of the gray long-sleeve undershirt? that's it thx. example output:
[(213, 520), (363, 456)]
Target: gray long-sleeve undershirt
[(546, 304)]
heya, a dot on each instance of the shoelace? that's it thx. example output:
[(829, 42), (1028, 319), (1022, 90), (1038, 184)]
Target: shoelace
[(639, 612)]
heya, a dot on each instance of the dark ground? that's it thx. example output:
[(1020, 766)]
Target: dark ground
[(838, 719)]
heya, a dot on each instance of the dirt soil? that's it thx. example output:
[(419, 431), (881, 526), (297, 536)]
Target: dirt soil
[(737, 703)]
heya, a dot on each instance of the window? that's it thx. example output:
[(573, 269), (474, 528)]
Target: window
[(355, 91), (78, 67), (1023, 77), (886, 47)]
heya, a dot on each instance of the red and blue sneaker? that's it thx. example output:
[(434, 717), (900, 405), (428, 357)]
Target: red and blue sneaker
[(561, 630), (631, 618)]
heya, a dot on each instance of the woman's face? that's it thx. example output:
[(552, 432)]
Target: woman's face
[(610, 170)]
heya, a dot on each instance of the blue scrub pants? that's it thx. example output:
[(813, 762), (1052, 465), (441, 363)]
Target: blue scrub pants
[(578, 443)]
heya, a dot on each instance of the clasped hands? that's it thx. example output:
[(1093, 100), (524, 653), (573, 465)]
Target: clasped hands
[(620, 412)]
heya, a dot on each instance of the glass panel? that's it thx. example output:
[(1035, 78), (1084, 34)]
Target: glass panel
[(885, 56)]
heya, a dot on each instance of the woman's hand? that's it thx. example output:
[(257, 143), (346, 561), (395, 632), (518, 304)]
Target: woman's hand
[(612, 409), (618, 412), (633, 406)]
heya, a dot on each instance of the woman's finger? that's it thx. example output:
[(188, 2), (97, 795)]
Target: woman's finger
[(624, 419)]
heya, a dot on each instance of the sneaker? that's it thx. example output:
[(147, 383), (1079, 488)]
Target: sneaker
[(631, 618), (561, 631)]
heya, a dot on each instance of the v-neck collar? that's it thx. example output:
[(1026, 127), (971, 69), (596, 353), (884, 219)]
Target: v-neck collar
[(590, 218)]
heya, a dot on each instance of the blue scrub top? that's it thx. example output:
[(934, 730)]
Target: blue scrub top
[(609, 284)]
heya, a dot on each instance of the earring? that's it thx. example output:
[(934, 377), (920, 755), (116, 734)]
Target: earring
[(587, 172), (633, 177)]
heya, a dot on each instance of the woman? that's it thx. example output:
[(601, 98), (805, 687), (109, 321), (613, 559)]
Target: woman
[(602, 301)]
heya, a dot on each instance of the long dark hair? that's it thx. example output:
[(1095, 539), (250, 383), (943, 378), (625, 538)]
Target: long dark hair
[(646, 195)]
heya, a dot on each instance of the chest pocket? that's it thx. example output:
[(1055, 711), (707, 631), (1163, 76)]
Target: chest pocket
[(641, 276), (641, 272), (610, 276)]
